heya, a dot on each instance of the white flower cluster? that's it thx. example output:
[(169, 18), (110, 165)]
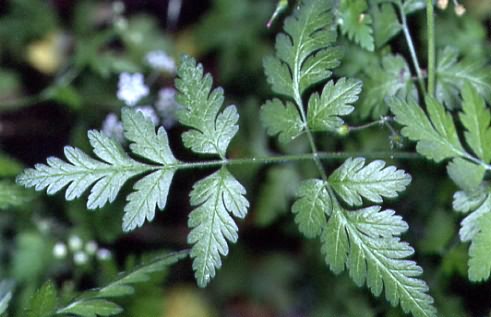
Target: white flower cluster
[(81, 251), (167, 106), (160, 61), (131, 88)]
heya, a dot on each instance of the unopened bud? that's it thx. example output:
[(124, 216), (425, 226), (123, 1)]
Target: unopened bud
[(460, 10), (361, 18), (442, 4), (343, 130)]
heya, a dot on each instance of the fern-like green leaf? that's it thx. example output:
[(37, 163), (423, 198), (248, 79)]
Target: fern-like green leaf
[(357, 23), (107, 175), (96, 302), (469, 227), (312, 207), (436, 134), (367, 242), (476, 118), (364, 241), (386, 24), (479, 252), (12, 195), (452, 75), (152, 190), (212, 130), (354, 180), (215, 198), (465, 202), (92, 308), (112, 169), (305, 52), (336, 100), (43, 302), (390, 77), (283, 120)]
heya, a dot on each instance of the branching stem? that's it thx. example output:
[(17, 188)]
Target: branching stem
[(412, 50)]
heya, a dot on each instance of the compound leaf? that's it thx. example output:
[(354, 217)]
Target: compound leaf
[(304, 53), (476, 119), (356, 23), (354, 180), (436, 134), (81, 171), (479, 252), (281, 119), (336, 100), (312, 207), (215, 198), (367, 243), (112, 170), (212, 130)]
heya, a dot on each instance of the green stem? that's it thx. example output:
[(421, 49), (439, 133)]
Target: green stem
[(430, 18), (412, 50), (293, 158)]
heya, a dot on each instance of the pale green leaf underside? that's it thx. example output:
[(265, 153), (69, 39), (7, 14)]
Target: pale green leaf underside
[(304, 53), (435, 133), (480, 252), (212, 130), (112, 169), (354, 180), (336, 100), (216, 197), (281, 119)]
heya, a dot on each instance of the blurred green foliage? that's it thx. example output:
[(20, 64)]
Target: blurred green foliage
[(58, 77)]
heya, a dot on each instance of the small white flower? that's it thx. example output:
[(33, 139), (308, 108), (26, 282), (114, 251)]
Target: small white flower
[(159, 60), (113, 127), (131, 88), (80, 258), (149, 113), (167, 106), (59, 250), (103, 254), (91, 247), (75, 243)]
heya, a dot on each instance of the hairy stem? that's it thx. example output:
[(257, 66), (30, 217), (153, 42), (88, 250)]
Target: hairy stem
[(430, 18), (412, 50), (293, 158)]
